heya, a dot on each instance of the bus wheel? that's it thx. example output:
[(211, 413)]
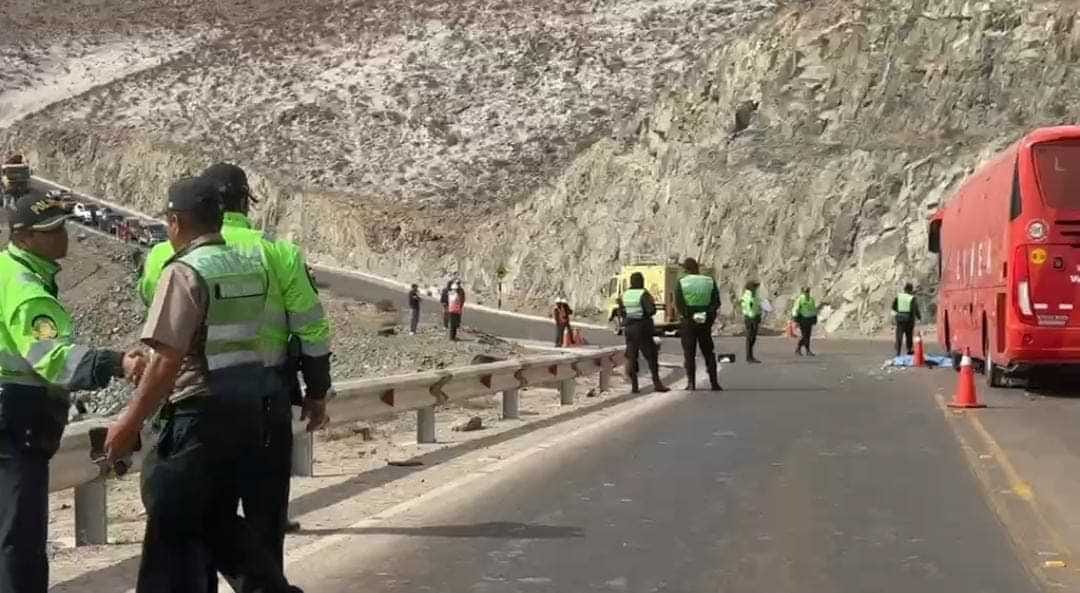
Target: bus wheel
[(616, 326)]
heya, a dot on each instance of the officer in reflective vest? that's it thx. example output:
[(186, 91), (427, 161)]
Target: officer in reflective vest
[(637, 308), (804, 313), (697, 300), (906, 311), (39, 366), (208, 367), (294, 312), (751, 310)]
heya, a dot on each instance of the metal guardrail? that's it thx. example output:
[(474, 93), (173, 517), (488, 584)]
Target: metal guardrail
[(358, 399)]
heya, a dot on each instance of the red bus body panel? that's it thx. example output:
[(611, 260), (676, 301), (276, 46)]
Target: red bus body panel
[(1005, 294)]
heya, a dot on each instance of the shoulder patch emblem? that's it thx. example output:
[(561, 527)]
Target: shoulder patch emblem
[(44, 328)]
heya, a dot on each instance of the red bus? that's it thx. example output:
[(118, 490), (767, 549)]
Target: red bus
[(1008, 245)]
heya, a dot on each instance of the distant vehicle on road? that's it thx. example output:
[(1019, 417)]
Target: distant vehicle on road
[(14, 179), (1008, 245), (85, 213), (129, 228), (108, 220), (152, 234)]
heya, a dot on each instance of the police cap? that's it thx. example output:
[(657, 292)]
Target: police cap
[(36, 212), (232, 182), (192, 194)]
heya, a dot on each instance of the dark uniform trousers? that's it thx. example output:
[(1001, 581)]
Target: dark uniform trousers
[(24, 519), (191, 481), (905, 329), (639, 341), (31, 425), (753, 325), (694, 335), (264, 488)]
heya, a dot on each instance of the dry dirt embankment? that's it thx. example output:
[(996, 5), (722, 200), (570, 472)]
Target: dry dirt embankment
[(801, 142)]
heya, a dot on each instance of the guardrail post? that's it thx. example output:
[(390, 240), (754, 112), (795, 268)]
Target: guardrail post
[(425, 425), (303, 455), (510, 404), (567, 388), (605, 378), (91, 518)]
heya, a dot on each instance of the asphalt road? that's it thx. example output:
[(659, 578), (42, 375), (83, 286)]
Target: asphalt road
[(372, 289), (806, 475)]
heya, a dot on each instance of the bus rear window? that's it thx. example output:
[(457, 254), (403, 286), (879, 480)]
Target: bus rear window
[(1057, 165)]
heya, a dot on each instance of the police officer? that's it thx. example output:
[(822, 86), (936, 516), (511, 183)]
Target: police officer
[(906, 311), (804, 313), (39, 366), (295, 316), (751, 311), (208, 367), (698, 300), (638, 308)]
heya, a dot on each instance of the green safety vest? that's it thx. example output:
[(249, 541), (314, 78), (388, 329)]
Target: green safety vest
[(631, 300), (903, 303), (236, 285), (751, 305), (697, 290), (36, 345), (805, 306), (292, 305), (39, 362)]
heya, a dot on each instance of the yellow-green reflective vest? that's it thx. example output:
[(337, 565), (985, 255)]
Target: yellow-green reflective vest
[(631, 300)]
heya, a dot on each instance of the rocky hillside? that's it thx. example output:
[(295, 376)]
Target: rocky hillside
[(799, 142)]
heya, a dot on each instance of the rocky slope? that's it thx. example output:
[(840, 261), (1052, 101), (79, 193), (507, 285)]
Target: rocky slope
[(557, 141)]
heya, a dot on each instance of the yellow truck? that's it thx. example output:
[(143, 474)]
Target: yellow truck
[(14, 179), (660, 280)]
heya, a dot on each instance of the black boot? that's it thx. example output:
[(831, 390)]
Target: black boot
[(634, 384), (659, 387)]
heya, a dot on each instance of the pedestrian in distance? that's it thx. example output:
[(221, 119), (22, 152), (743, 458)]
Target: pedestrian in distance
[(804, 313), (40, 365), (444, 300), (698, 301), (414, 309), (455, 306), (906, 313), (208, 382), (561, 314), (751, 311), (638, 308)]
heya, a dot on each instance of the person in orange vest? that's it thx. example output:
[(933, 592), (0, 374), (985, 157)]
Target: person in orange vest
[(455, 306), (561, 314)]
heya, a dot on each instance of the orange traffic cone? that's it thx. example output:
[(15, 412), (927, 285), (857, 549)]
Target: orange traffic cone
[(919, 358), (579, 338), (567, 339), (965, 396), (791, 329)]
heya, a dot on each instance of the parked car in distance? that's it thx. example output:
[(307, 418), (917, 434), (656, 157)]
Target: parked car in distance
[(152, 234), (128, 229), (86, 213), (109, 222)]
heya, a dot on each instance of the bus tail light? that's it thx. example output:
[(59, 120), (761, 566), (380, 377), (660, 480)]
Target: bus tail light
[(1022, 281)]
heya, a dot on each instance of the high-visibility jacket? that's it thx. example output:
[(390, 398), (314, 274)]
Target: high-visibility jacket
[(697, 291), (903, 303), (805, 307), (631, 301), (40, 363), (237, 285), (292, 304), (751, 304)]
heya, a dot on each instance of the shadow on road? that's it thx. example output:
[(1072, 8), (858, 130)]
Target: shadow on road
[(497, 529)]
